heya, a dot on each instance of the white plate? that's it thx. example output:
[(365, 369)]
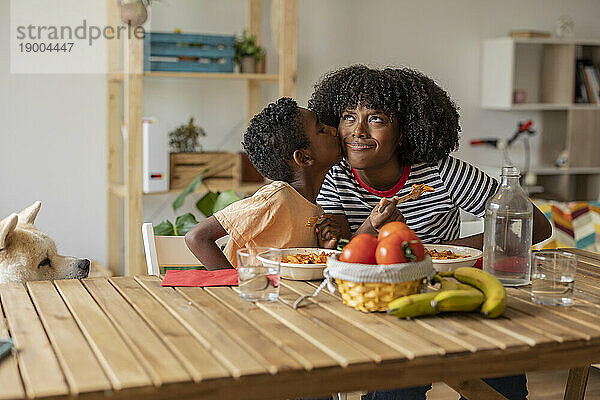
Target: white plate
[(451, 265), (301, 272)]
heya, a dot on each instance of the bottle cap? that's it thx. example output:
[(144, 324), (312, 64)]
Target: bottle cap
[(510, 171)]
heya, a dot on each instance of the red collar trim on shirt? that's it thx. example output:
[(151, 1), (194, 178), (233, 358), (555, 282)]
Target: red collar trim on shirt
[(385, 193)]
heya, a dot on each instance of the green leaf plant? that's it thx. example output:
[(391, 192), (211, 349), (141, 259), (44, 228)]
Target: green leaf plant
[(247, 46), (208, 204)]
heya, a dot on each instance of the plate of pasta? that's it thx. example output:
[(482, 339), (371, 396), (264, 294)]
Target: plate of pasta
[(448, 258), (303, 263)]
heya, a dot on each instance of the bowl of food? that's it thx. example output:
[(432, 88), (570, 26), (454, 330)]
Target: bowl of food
[(302, 263), (448, 258)]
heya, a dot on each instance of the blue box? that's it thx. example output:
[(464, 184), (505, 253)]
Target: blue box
[(163, 52)]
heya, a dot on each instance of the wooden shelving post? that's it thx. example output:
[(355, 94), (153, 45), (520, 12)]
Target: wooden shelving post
[(114, 147), (288, 28), (252, 86), (133, 81)]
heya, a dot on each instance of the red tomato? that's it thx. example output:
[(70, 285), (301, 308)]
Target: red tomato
[(396, 249), (360, 250), (392, 227)]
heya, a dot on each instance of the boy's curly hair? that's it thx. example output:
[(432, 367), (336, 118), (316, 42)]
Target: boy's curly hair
[(272, 137), (427, 117)]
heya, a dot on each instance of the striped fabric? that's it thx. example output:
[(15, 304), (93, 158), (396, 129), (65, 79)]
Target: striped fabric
[(575, 224), (434, 216), (390, 273)]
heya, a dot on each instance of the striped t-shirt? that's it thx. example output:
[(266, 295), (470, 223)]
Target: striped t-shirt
[(434, 216)]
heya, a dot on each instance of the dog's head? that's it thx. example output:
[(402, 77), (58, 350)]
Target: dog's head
[(26, 254)]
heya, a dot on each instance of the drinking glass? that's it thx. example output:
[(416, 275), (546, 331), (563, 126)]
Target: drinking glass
[(258, 273), (553, 278)]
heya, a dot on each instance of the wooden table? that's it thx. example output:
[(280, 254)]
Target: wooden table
[(126, 337)]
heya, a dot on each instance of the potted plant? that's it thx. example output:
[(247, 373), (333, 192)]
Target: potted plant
[(208, 204), (185, 138), (134, 12), (248, 53), (220, 169)]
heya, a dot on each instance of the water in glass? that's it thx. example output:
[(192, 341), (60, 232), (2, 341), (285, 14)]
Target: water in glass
[(553, 278), (259, 283), (258, 273)]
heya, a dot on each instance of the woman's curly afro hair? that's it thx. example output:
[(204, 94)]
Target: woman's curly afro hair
[(272, 137), (427, 118)]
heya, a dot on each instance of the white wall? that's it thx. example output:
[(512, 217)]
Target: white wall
[(52, 148), (52, 143)]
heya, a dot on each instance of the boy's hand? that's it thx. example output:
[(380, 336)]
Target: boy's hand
[(386, 211), (328, 232)]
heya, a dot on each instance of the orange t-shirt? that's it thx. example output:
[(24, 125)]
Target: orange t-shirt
[(273, 217)]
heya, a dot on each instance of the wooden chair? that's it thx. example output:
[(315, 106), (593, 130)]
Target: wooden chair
[(164, 251)]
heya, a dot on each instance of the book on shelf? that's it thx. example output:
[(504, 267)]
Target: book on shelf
[(592, 84), (587, 82), (529, 34)]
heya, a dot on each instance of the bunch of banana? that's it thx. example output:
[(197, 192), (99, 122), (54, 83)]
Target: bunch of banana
[(475, 288), (495, 295)]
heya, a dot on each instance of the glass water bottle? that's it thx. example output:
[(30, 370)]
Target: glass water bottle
[(508, 231)]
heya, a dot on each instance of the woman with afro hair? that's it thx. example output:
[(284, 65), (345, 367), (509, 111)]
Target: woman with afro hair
[(397, 129)]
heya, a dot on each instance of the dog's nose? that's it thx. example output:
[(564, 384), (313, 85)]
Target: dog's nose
[(84, 265)]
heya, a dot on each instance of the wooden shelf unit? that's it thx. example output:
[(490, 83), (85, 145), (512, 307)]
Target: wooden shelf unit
[(125, 80), (546, 70), (213, 75)]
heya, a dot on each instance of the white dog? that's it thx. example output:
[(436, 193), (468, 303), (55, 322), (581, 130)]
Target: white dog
[(27, 254)]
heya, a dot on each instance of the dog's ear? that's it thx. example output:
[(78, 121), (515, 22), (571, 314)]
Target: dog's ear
[(7, 226), (27, 216)]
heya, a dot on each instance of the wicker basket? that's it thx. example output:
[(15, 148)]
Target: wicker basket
[(370, 288), (375, 296)]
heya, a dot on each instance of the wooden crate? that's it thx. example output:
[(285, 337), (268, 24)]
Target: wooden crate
[(188, 53), (224, 169)]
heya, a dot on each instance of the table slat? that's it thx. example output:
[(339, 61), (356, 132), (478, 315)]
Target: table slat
[(121, 366), (82, 370), (160, 363), (588, 299), (304, 351), (583, 314), (457, 333), (448, 343), (543, 312), (330, 341), (360, 339), (589, 271), (403, 341), (581, 284), (11, 386), (511, 328), (410, 325), (271, 356), (228, 351), (198, 361), (39, 367), (585, 254), (477, 328), (557, 333)]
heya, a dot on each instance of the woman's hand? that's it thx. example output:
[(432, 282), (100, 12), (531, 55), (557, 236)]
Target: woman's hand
[(386, 211), (328, 231)]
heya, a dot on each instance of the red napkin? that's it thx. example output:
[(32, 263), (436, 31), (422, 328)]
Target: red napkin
[(200, 278)]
